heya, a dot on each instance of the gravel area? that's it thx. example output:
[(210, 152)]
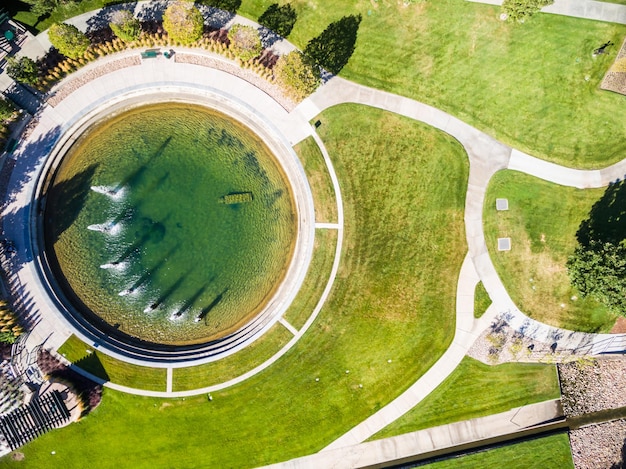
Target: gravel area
[(600, 446), (221, 64), (501, 344), (616, 81), (76, 80), (592, 385)]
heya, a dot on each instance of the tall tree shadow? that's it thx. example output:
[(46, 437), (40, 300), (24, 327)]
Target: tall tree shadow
[(607, 218)]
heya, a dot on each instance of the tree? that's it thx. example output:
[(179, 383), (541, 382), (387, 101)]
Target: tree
[(521, 10), (598, 266), (183, 22), (42, 7), (296, 75), (228, 5), (333, 48), (6, 109), (279, 19), (245, 42), (23, 70), (68, 40), (125, 26)]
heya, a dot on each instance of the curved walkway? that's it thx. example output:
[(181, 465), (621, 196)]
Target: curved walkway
[(486, 156)]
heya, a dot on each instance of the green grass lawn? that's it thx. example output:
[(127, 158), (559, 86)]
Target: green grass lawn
[(534, 86), (463, 394), (316, 278), (394, 298), (542, 221), (481, 300), (319, 179), (234, 365), (112, 369), (550, 452), (523, 84)]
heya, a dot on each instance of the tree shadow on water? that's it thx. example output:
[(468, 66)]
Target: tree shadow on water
[(607, 218), (66, 199)]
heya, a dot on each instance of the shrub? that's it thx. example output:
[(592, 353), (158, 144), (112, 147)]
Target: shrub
[(228, 5), (6, 109), (296, 76), (23, 70), (333, 48), (244, 42), (279, 19), (521, 10), (125, 26), (68, 39), (183, 22)]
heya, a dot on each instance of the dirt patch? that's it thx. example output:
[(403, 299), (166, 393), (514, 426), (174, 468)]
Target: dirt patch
[(619, 327), (17, 456)]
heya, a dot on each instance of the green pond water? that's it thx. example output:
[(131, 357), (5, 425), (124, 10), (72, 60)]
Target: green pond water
[(172, 223)]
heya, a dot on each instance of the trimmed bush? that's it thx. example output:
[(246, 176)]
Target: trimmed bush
[(279, 19), (183, 22), (68, 40), (333, 48), (296, 75), (23, 70), (245, 42), (521, 10), (125, 26)]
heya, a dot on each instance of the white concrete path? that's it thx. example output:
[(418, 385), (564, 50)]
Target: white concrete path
[(587, 9)]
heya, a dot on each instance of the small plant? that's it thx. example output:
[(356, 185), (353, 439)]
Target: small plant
[(521, 10), (68, 40), (125, 26), (23, 70), (183, 22), (279, 19), (10, 329), (244, 42)]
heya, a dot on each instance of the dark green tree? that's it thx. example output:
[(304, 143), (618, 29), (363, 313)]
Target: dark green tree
[(279, 19), (598, 266), (183, 22), (125, 26), (333, 48), (228, 5), (521, 10), (42, 7), (23, 70), (68, 39)]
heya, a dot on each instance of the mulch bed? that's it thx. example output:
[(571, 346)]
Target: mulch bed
[(615, 78)]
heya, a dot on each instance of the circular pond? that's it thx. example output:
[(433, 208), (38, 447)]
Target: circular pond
[(171, 224)]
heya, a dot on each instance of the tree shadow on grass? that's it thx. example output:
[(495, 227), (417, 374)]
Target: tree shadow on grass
[(607, 218)]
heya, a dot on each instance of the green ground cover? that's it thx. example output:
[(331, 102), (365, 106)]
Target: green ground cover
[(394, 298), (232, 366), (112, 369), (523, 84), (542, 221), (319, 179), (316, 278), (481, 300), (462, 395), (550, 452)]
